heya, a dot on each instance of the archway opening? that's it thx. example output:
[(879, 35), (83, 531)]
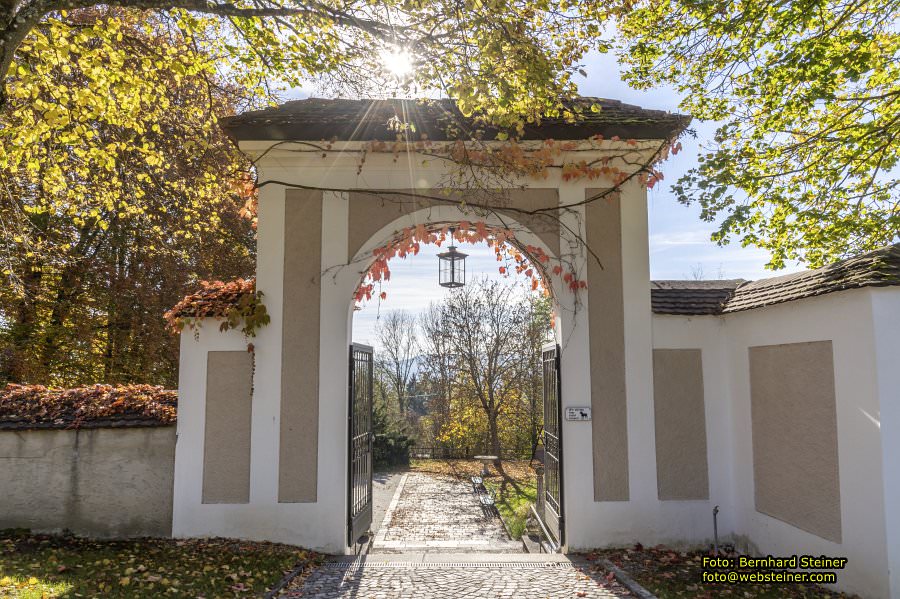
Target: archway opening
[(458, 387)]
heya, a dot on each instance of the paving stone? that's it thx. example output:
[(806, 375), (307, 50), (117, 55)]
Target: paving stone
[(438, 513), (456, 581), (436, 542)]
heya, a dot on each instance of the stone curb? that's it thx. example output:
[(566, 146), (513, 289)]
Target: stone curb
[(381, 534), (287, 579), (627, 581)]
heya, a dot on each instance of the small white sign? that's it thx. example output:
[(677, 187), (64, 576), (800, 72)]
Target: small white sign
[(578, 414)]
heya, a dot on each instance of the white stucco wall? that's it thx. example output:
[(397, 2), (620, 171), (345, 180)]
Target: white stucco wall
[(708, 335), (862, 324), (886, 316), (311, 525), (321, 525), (643, 518), (863, 327), (846, 319)]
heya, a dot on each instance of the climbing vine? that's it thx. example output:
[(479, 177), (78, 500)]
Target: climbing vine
[(486, 169), (487, 162), (525, 259), (235, 304)]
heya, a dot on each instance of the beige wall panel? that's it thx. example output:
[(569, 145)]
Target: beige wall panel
[(795, 452), (298, 453), (226, 439), (545, 227), (103, 482), (369, 213), (682, 470), (607, 346)]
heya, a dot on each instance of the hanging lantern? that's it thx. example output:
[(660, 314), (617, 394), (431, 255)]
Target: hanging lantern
[(452, 266)]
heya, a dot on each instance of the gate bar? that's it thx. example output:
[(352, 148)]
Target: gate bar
[(354, 347)]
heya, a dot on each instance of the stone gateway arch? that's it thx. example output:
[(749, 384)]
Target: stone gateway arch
[(685, 381)]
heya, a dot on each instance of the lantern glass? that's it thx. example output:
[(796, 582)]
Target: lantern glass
[(452, 268)]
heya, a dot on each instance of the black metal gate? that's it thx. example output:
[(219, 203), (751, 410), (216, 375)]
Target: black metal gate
[(359, 453), (553, 470)]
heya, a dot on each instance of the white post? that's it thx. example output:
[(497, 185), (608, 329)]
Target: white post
[(266, 415)]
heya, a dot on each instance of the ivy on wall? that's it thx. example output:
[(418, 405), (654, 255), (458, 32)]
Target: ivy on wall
[(236, 304)]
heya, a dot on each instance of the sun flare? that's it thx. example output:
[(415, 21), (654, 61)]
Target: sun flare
[(397, 62)]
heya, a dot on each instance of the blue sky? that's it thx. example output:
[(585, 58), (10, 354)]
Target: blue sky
[(679, 240), (680, 243)]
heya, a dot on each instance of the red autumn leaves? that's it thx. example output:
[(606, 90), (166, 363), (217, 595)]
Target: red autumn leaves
[(528, 260), (23, 405), (214, 299), (236, 304)]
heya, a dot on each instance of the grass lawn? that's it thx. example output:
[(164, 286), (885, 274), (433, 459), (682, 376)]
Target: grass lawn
[(671, 574), (514, 493), (514, 502), (39, 566)]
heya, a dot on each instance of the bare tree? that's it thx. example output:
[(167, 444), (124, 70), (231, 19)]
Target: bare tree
[(697, 273), (487, 327), (437, 364), (539, 319), (399, 350)]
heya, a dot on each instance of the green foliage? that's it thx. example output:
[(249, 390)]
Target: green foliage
[(249, 314), (467, 425), (807, 96), (392, 444), (391, 449), (509, 61), (60, 566), (89, 127)]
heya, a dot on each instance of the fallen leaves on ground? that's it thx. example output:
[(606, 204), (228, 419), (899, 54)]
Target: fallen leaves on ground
[(48, 566), (514, 492), (669, 574), (518, 470)]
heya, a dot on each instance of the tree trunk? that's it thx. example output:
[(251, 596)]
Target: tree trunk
[(68, 289), (494, 436), (23, 329), (401, 401)]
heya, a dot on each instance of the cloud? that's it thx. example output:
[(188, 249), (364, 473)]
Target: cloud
[(676, 239)]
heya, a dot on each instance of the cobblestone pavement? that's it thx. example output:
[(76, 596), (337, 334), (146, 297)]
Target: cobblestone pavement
[(421, 580), (437, 542), (384, 485), (436, 513)]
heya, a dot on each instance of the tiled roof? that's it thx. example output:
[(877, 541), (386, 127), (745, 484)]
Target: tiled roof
[(213, 299), (880, 268), (691, 297), (438, 120)]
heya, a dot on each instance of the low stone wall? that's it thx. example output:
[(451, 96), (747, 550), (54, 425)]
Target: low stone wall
[(98, 482)]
